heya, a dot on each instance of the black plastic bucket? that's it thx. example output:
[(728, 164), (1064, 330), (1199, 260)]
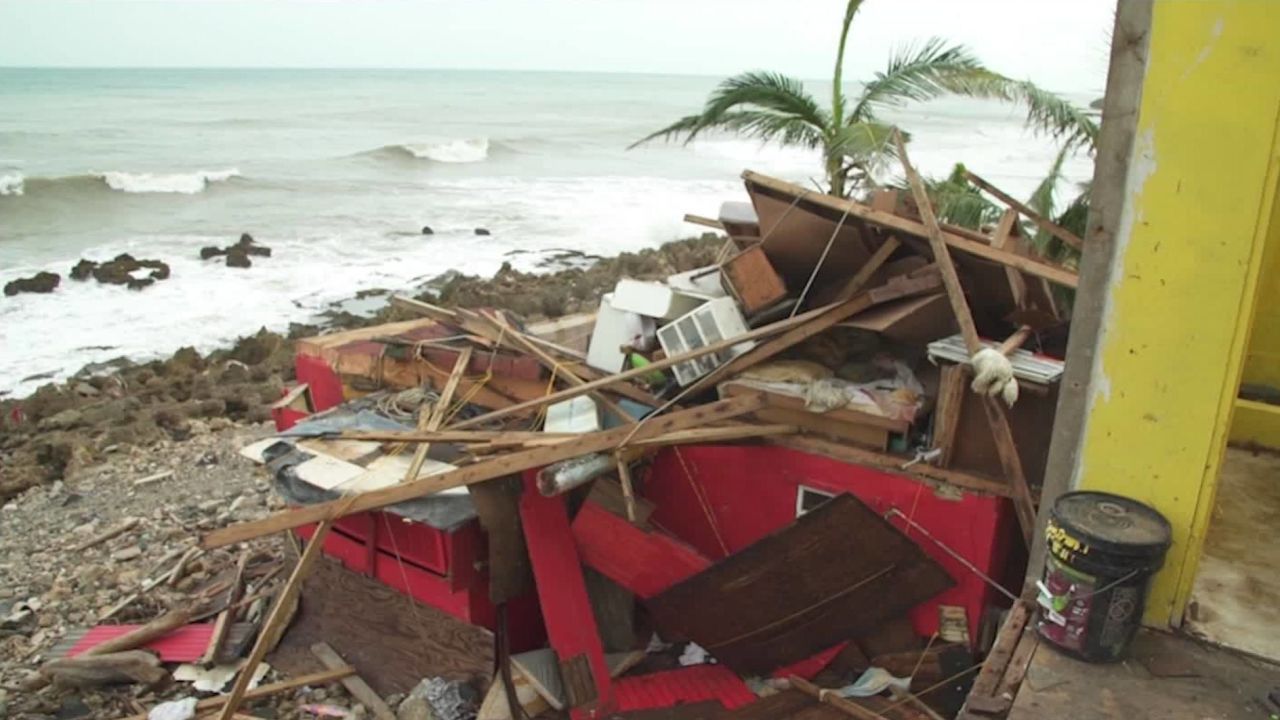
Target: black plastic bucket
[(1102, 551)]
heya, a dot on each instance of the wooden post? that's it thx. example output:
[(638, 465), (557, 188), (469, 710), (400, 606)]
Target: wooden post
[(272, 629), (1045, 224), (431, 421), (1023, 503)]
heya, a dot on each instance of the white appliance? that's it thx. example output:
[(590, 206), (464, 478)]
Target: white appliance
[(716, 320)]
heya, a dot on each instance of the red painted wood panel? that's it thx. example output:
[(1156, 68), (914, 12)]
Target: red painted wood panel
[(322, 382), (185, 644), (646, 563), (566, 609), (751, 491), (694, 684), (809, 667)]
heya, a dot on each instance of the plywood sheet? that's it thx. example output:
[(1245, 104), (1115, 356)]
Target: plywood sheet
[(391, 640), (838, 572)]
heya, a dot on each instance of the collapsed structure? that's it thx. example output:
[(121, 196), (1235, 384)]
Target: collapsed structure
[(803, 477)]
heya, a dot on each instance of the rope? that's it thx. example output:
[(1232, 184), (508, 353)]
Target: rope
[(957, 556), (698, 492), (821, 260)]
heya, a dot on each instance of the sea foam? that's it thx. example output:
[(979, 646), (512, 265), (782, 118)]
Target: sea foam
[(454, 151), (185, 183), (11, 183)]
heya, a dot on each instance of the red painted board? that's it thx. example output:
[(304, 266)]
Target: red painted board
[(646, 563), (322, 382), (185, 644), (698, 683), (566, 608), (980, 528), (809, 667)]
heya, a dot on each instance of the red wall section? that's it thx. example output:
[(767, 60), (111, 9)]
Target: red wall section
[(750, 491)]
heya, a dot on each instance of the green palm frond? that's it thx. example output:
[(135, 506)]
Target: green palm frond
[(918, 73), (769, 126), (1042, 198), (1046, 112), (755, 92)]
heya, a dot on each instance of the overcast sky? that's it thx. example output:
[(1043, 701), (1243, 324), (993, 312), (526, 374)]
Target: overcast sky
[(1061, 44)]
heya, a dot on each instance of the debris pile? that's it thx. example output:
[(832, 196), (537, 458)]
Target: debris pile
[(783, 479)]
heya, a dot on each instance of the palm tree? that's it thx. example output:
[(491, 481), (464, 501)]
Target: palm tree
[(854, 141)]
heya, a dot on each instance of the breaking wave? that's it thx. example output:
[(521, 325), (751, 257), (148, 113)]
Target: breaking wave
[(472, 150), (11, 183), (14, 183), (185, 183)]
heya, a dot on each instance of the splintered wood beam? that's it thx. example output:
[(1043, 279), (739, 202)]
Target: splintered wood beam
[(946, 419), (1000, 240), (703, 221), (1032, 266), (633, 373), (584, 444), (431, 421), (272, 628), (222, 625), (997, 414), (1044, 223), (628, 491), (508, 334)]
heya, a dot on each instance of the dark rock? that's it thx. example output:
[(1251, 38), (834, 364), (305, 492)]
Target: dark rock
[(237, 256), (41, 282), (259, 250), (119, 271), (245, 240), (83, 270), (211, 251), (426, 230), (482, 231)]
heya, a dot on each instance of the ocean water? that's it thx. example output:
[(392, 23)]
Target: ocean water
[(337, 171)]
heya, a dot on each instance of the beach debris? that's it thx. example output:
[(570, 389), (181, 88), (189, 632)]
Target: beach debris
[(183, 709), (482, 231), (426, 230), (128, 667), (41, 282)]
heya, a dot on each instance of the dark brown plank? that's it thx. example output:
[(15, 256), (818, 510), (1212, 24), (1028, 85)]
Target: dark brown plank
[(497, 503), (834, 574), (413, 641)]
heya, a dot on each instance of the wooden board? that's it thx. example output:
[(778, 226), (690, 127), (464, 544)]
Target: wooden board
[(794, 239), (392, 640), (735, 388), (917, 320), (753, 280), (823, 424), (646, 563), (497, 502), (836, 573), (566, 608)]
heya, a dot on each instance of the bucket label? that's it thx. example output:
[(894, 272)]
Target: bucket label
[(1066, 597), (1062, 544)]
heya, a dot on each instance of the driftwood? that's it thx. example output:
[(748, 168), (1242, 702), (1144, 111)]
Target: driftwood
[(130, 666)]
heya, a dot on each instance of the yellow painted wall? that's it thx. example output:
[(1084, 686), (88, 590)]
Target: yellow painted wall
[(1201, 182), (1262, 365)]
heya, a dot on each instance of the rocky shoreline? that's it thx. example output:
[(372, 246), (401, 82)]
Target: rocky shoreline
[(69, 426)]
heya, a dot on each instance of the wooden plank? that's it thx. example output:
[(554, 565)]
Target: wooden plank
[(892, 463), (1054, 273), (503, 332), (566, 608), (946, 417), (273, 627), (662, 364), (993, 668), (430, 418), (644, 562), (358, 688), (703, 221), (868, 436), (481, 471), (222, 625), (316, 679), (1001, 701), (1000, 240), (497, 503), (1044, 223), (837, 572), (893, 290), (608, 494), (869, 268), (783, 401), (844, 705), (414, 640), (628, 491), (1003, 434), (754, 282)]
